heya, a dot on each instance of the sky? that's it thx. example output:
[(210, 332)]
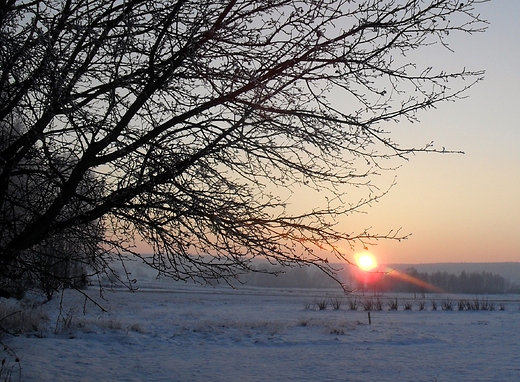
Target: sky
[(458, 207), (462, 208)]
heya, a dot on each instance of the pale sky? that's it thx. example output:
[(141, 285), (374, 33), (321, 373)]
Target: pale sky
[(463, 208), (459, 208)]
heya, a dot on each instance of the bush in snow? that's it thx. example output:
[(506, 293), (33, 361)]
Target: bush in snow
[(353, 303), (18, 318), (447, 304), (368, 304), (393, 304), (336, 303)]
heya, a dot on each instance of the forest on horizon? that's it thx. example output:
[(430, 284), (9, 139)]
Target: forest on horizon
[(409, 280)]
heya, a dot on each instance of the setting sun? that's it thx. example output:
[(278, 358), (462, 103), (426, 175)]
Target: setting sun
[(366, 262)]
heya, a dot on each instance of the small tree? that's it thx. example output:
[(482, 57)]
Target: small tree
[(195, 121), (62, 261), (64, 258)]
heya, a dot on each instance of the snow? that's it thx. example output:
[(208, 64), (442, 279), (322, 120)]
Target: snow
[(172, 332)]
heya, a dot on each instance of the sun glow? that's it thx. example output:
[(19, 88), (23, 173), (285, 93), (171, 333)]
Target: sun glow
[(366, 262)]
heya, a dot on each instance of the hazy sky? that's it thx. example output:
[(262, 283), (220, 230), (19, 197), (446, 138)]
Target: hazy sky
[(463, 208), (460, 208)]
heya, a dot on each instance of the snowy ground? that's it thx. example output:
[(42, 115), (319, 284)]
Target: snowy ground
[(167, 332)]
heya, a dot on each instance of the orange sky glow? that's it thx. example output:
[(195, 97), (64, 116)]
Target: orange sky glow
[(461, 208)]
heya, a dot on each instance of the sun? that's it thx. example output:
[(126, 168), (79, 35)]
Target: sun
[(366, 262)]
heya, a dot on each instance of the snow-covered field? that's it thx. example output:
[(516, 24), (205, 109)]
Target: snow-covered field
[(172, 332)]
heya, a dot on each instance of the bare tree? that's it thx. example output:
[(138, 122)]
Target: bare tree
[(200, 119), (63, 258)]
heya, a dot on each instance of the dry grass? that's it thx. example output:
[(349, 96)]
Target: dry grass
[(17, 318)]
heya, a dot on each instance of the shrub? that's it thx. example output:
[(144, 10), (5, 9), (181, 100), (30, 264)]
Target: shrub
[(464, 304), (10, 365), (393, 304), (487, 305), (368, 304), (422, 305), (335, 303), (321, 305), (353, 303), (378, 304), (17, 319), (408, 305), (434, 304), (447, 304), (64, 321)]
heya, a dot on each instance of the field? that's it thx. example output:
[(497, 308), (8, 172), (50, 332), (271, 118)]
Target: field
[(172, 332)]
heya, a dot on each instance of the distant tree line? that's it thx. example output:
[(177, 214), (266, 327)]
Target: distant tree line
[(470, 283), (295, 277), (408, 281)]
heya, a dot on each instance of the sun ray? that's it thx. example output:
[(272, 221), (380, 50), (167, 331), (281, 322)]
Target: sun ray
[(414, 280)]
